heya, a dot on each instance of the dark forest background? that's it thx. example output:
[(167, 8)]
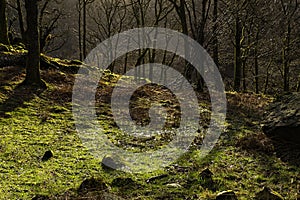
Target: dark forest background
[(254, 43)]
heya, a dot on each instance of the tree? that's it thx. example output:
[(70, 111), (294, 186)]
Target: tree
[(198, 24), (181, 10), (50, 12), (215, 36), (3, 23), (237, 55), (235, 11), (289, 10), (79, 8), (109, 19), (49, 16), (82, 26), (20, 16), (33, 77)]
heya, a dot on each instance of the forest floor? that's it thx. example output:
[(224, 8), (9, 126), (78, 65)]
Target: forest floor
[(33, 122)]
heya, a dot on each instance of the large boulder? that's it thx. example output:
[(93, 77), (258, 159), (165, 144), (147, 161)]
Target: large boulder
[(282, 121)]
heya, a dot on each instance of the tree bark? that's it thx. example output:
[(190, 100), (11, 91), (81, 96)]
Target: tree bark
[(189, 70), (256, 66), (3, 23), (20, 16), (215, 40), (286, 61), (79, 31), (84, 29), (237, 55), (33, 77), (244, 63)]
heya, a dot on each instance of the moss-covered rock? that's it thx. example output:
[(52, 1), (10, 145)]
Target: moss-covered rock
[(4, 48), (206, 180), (226, 195), (47, 155), (283, 119), (92, 184), (40, 197), (124, 183), (17, 57), (109, 163), (268, 194)]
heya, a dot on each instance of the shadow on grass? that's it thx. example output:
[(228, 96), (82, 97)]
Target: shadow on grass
[(10, 74), (288, 152), (245, 113), (18, 96)]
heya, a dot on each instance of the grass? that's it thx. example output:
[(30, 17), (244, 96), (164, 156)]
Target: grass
[(31, 123)]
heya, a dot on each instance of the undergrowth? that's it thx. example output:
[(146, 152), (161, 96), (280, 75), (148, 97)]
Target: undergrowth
[(32, 123)]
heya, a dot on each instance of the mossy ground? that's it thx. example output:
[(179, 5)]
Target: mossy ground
[(33, 122)]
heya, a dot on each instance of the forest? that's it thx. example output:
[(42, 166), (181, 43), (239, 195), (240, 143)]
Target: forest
[(150, 99)]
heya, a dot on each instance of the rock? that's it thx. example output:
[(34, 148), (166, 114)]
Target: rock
[(174, 185), (124, 183), (206, 174), (206, 180), (4, 48), (47, 155), (110, 163), (153, 179), (40, 197), (92, 184), (268, 194), (108, 196), (76, 62), (283, 119), (18, 58), (226, 195), (12, 59)]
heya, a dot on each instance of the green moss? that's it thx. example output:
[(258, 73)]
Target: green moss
[(4, 48), (41, 124)]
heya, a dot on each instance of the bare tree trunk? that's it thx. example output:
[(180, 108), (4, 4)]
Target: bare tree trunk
[(20, 16), (286, 62), (201, 39), (181, 12), (79, 31), (267, 77), (201, 36), (237, 55), (3, 23), (125, 63), (256, 72), (33, 43), (215, 40), (244, 63), (84, 28), (256, 67)]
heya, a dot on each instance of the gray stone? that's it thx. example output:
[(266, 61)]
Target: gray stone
[(206, 180), (92, 184), (282, 120), (109, 162), (40, 197), (226, 195), (47, 155), (268, 194)]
